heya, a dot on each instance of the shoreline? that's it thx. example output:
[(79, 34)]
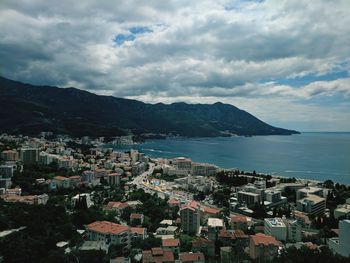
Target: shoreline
[(299, 173)]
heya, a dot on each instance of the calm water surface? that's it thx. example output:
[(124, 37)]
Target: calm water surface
[(317, 156)]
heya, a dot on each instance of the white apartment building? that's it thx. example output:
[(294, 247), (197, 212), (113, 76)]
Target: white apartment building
[(341, 245), (275, 227)]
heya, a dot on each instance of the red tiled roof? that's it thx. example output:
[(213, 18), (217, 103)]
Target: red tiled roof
[(199, 242), (240, 234), (239, 219), (136, 216), (60, 178), (173, 201), (106, 227), (170, 242), (119, 205), (224, 233), (187, 257), (210, 210), (157, 255), (262, 239), (138, 230)]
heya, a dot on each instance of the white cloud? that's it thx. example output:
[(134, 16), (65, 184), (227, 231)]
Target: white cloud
[(197, 50)]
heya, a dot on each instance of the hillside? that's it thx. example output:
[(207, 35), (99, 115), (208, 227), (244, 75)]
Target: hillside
[(29, 109)]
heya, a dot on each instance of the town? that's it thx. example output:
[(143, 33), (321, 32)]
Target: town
[(67, 199)]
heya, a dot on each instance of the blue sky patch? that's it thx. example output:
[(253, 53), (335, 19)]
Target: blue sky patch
[(120, 38), (305, 80), (139, 30)]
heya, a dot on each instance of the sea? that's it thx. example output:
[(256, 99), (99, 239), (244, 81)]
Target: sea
[(316, 156)]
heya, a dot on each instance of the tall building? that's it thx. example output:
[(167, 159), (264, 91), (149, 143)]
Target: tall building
[(312, 205), (248, 198), (29, 155), (114, 179), (341, 245), (190, 218), (9, 155), (304, 192), (6, 171), (275, 227), (293, 230), (183, 164)]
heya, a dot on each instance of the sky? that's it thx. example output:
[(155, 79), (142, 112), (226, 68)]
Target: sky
[(285, 61)]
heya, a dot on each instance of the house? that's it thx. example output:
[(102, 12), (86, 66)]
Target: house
[(214, 226), (173, 202), (62, 182), (190, 257), (136, 219), (109, 233), (203, 245), (157, 255), (117, 206), (239, 222), (171, 244), (138, 233), (263, 246)]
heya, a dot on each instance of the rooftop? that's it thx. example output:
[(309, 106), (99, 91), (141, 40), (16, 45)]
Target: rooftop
[(262, 239), (171, 242), (215, 222), (106, 227), (189, 256)]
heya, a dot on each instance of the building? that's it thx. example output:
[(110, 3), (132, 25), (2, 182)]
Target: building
[(226, 254), (240, 222), (6, 171), (9, 155), (275, 227), (343, 210), (62, 182), (273, 198), (65, 162), (47, 158), (136, 219), (87, 176), (114, 179), (157, 255), (29, 155), (263, 246), (191, 257), (294, 234), (109, 233), (248, 198), (85, 197), (171, 244), (304, 192), (203, 169), (312, 205), (214, 226), (5, 183), (341, 245), (190, 218), (203, 245), (27, 199), (182, 163)]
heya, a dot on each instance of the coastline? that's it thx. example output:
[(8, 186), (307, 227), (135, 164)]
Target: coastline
[(257, 156)]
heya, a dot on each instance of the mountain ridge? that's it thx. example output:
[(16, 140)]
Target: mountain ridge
[(79, 112)]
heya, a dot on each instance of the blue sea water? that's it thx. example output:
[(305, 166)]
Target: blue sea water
[(318, 156)]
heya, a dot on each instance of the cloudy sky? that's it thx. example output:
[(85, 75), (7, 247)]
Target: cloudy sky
[(286, 62)]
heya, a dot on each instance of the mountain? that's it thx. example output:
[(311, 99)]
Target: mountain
[(29, 109)]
